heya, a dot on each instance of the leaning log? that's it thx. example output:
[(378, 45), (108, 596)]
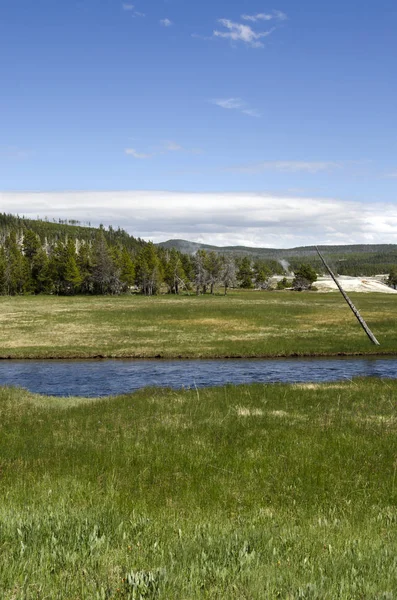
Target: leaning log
[(349, 302)]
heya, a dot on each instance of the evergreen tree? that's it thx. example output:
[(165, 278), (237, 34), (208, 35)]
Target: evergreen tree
[(127, 270), (149, 271), (31, 244), (304, 278), (262, 274), (16, 276), (85, 263), (174, 275), (244, 274), (40, 276), (3, 270), (392, 279), (63, 269), (71, 274), (105, 276)]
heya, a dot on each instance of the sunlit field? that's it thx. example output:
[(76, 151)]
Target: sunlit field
[(260, 491), (246, 324)]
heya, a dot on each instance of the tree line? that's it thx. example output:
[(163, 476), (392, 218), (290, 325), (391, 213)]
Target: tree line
[(66, 258), (102, 264)]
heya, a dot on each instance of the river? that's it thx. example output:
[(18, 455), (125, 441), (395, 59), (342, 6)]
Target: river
[(92, 378)]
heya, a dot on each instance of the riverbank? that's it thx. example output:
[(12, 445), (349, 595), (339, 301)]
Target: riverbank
[(257, 491), (240, 325)]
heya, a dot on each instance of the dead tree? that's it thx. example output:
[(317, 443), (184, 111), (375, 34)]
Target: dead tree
[(350, 303)]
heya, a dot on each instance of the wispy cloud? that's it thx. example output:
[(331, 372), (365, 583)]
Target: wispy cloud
[(392, 175), (238, 32), (287, 166), (236, 104), (229, 103), (163, 148), (276, 15), (166, 22), (258, 17), (131, 8), (136, 154), (251, 112), (171, 146)]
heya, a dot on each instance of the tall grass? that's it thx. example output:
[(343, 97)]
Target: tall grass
[(243, 324), (249, 492)]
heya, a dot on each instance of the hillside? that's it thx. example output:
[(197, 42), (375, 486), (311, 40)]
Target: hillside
[(355, 260), (52, 231)]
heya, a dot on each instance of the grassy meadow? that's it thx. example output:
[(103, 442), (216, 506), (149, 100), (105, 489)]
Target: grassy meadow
[(248, 492), (242, 324)]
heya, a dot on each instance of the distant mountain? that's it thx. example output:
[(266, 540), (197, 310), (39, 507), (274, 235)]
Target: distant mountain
[(191, 247), (355, 259)]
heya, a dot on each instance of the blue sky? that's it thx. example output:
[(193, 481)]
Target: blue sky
[(291, 101)]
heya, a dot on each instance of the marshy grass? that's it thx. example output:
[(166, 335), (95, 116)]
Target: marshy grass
[(243, 324), (247, 492)]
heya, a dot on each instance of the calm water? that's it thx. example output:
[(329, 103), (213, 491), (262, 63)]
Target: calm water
[(106, 377)]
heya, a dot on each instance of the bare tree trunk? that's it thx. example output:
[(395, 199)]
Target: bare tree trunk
[(350, 303)]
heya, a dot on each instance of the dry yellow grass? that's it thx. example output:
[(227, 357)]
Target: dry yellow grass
[(242, 324)]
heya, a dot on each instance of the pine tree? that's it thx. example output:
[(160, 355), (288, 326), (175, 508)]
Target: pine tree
[(174, 275), (3, 269), (105, 276), (262, 274), (244, 274), (149, 270), (16, 276), (40, 276), (85, 263), (127, 270), (71, 273)]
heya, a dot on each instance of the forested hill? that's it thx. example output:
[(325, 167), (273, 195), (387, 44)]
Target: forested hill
[(50, 232), (356, 260), (67, 257)]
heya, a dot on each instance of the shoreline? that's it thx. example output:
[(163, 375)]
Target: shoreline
[(159, 357)]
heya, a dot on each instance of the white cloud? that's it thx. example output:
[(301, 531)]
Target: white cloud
[(251, 112), (166, 22), (255, 219), (237, 32), (393, 174), (236, 104), (171, 146), (136, 154), (131, 8), (229, 103), (281, 16), (277, 15), (286, 166), (258, 17), (165, 147)]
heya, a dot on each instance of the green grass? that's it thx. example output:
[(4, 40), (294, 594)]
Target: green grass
[(246, 324), (249, 492)]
